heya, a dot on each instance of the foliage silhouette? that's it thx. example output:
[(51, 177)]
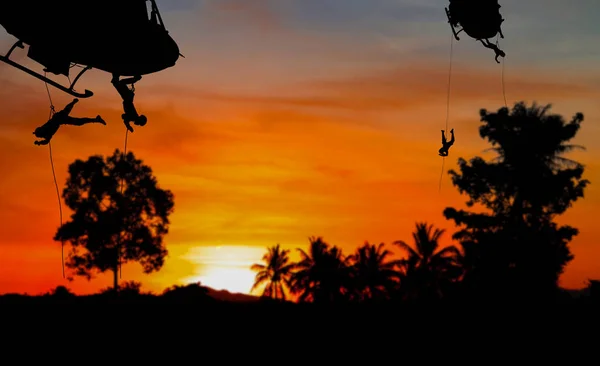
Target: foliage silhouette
[(517, 246), (61, 292), (428, 271), (373, 277), (275, 274), (322, 275), (109, 228)]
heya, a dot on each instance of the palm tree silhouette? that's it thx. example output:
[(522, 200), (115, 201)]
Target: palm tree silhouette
[(275, 274), (373, 276), (428, 270), (322, 274)]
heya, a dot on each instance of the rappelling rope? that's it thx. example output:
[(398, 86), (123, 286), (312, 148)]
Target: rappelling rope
[(503, 84), (447, 105), (62, 251), (52, 110), (442, 173), (62, 242), (122, 184)]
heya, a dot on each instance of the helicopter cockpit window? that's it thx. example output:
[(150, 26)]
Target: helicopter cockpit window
[(155, 17)]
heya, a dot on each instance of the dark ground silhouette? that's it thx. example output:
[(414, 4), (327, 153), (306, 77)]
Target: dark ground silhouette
[(196, 294)]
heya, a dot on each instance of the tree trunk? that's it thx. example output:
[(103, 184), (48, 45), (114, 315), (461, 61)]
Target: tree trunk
[(117, 265), (116, 277)]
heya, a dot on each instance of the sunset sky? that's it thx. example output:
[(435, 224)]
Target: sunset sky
[(295, 118)]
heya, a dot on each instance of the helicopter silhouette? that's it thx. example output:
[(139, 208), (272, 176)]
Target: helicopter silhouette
[(121, 37), (479, 19)]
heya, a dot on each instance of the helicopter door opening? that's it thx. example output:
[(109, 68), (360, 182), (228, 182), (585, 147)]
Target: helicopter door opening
[(155, 18)]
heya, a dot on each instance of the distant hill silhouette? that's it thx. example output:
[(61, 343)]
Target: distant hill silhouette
[(211, 295), (224, 295)]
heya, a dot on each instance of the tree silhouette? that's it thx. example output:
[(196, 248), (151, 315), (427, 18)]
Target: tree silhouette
[(109, 228), (526, 186), (428, 270), (322, 274), (275, 273), (373, 276)]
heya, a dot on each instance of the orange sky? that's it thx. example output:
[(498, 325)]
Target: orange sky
[(268, 133)]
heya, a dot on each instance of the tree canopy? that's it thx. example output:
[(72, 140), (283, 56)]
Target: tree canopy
[(523, 189), (120, 214)]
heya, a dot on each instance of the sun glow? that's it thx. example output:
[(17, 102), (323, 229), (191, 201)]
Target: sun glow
[(230, 279), (224, 267)]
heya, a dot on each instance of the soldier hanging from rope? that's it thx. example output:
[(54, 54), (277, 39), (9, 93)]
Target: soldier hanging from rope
[(490, 45), (446, 144), (48, 129), (130, 113)]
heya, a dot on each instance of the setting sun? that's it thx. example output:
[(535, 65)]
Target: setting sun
[(230, 279), (224, 267)]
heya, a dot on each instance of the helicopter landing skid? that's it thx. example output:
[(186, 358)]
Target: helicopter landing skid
[(68, 90)]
